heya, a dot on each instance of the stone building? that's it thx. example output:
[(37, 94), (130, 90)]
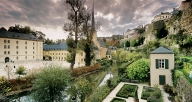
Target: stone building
[(59, 52), (20, 47), (162, 16), (161, 64)]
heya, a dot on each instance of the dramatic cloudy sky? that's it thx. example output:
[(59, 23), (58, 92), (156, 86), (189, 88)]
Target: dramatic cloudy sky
[(49, 16)]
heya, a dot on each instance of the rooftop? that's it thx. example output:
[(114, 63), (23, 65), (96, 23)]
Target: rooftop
[(14, 35), (60, 46), (162, 50)]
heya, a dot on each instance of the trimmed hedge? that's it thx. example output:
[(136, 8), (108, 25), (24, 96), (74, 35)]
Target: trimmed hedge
[(86, 69), (118, 100), (127, 91), (149, 93)]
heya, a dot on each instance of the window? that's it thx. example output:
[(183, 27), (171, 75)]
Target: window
[(8, 46), (25, 42), (4, 52), (25, 47), (17, 42), (81, 53), (25, 57), (5, 46), (8, 41), (25, 52), (33, 52), (50, 54), (162, 63), (8, 52), (5, 41), (56, 53), (59, 53), (17, 57), (17, 52), (81, 59), (33, 47), (17, 47), (53, 53), (33, 57), (33, 43)]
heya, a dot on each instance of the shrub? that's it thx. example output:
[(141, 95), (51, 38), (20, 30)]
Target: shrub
[(152, 99), (83, 70), (168, 89), (138, 70), (118, 100), (145, 95)]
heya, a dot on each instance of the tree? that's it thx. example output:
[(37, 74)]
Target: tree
[(8, 69), (127, 44), (76, 9), (139, 70), (50, 84), (3, 29), (82, 88), (21, 70), (87, 40)]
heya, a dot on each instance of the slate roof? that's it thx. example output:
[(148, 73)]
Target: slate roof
[(162, 50), (101, 42), (60, 46), (14, 35)]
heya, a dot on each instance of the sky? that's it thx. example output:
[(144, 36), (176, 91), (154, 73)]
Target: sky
[(49, 16)]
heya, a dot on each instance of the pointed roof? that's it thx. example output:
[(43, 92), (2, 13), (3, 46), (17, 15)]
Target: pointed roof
[(93, 17), (162, 50)]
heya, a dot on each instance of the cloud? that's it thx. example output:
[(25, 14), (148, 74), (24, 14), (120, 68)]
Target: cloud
[(49, 16)]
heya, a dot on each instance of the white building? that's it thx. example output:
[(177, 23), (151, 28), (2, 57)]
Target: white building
[(161, 64), (20, 47)]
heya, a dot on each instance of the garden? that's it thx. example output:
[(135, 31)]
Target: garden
[(151, 94), (127, 91)]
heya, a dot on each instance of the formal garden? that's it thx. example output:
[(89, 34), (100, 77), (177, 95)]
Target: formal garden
[(151, 94)]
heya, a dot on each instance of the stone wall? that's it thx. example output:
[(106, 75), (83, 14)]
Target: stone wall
[(184, 90)]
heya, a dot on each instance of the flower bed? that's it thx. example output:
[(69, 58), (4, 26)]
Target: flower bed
[(151, 94), (127, 91), (118, 100)]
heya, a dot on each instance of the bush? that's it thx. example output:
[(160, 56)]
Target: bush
[(138, 70), (118, 100), (145, 95), (83, 70), (152, 99), (168, 89)]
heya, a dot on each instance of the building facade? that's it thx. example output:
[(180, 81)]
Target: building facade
[(59, 52), (20, 47), (161, 64), (162, 16)]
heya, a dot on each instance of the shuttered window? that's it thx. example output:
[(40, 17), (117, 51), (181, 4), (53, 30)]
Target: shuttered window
[(162, 64)]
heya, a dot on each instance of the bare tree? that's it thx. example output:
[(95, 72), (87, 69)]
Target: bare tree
[(8, 69)]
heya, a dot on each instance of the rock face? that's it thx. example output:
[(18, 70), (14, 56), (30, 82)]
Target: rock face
[(175, 27), (186, 19), (149, 35)]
